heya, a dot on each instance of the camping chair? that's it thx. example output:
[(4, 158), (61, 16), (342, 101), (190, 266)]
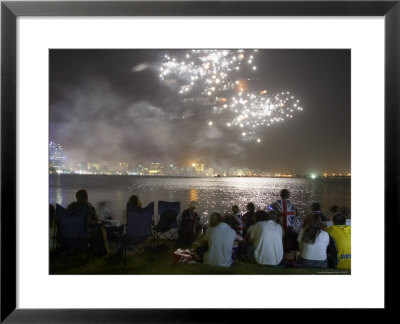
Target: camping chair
[(138, 227), (71, 229), (168, 224)]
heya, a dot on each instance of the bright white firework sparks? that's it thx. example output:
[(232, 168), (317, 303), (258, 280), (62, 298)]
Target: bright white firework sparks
[(223, 76)]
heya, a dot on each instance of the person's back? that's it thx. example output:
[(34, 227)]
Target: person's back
[(190, 227), (316, 209), (317, 250), (341, 233), (82, 200), (97, 233), (220, 240), (104, 213), (248, 217), (287, 212), (268, 245), (313, 243)]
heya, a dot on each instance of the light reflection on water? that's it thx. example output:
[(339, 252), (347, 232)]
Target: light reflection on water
[(211, 193)]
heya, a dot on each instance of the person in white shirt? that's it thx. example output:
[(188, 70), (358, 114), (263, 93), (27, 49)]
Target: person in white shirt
[(265, 239), (219, 238), (313, 242)]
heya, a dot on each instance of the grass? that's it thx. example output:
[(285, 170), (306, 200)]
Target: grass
[(163, 264)]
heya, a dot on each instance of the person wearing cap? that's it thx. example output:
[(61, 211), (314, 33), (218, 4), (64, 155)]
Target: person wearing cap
[(190, 224)]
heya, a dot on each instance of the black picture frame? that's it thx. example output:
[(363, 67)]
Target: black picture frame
[(10, 10)]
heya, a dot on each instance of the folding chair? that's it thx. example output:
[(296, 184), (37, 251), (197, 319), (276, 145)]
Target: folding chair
[(139, 223), (71, 229), (168, 224)]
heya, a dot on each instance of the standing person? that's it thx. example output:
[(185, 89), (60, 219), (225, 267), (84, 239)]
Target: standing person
[(218, 240), (313, 243), (96, 232), (289, 219), (265, 240), (341, 234), (190, 224), (248, 217)]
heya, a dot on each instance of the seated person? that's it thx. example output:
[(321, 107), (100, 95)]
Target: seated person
[(316, 209), (96, 232), (218, 241), (237, 216), (313, 243), (190, 224), (133, 202), (232, 221), (249, 215), (345, 211), (265, 239), (341, 234), (288, 217), (333, 210), (53, 227), (104, 213)]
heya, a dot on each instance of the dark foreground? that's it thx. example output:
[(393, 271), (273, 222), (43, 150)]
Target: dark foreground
[(163, 263)]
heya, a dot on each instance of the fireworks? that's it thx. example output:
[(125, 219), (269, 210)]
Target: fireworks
[(224, 77)]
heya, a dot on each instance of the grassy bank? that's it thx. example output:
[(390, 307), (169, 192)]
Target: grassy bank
[(163, 263)]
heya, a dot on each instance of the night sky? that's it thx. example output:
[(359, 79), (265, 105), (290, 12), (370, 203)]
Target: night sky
[(112, 105)]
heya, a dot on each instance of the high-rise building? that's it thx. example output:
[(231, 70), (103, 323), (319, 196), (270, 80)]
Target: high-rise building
[(122, 167), (56, 156), (199, 167)]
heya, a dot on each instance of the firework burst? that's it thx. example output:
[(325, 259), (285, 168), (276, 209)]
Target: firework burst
[(224, 78)]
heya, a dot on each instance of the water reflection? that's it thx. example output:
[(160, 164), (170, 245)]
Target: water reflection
[(193, 195), (211, 193), (58, 197)]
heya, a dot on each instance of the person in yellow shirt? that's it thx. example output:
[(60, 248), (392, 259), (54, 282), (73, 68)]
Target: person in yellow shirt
[(341, 234)]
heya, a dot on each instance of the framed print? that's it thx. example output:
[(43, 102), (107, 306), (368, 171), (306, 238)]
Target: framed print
[(189, 102)]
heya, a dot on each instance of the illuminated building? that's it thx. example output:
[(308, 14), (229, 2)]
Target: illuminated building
[(123, 167), (93, 167), (199, 167), (56, 156)]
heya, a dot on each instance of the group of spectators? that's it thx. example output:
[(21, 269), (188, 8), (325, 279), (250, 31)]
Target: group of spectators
[(275, 236), (278, 236)]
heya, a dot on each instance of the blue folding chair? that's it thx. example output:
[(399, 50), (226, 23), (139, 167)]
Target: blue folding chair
[(72, 236), (168, 224), (71, 228), (139, 223)]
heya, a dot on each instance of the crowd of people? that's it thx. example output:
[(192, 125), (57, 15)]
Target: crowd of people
[(275, 236)]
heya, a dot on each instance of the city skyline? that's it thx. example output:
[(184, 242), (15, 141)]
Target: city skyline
[(58, 163), (120, 105)]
